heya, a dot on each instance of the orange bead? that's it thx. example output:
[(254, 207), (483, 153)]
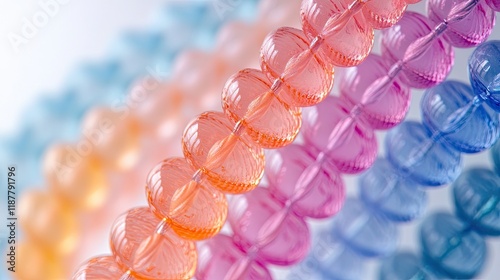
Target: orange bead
[(384, 13), (100, 268), (147, 247), (75, 175), (276, 126), (306, 78), (233, 163), (113, 135), (194, 210), (47, 221), (37, 263)]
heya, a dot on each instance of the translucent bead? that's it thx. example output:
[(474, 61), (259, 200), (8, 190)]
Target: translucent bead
[(279, 123), (48, 221), (472, 30), (99, 268), (194, 210), (285, 55), (484, 73), (76, 176), (411, 151), (248, 215), (145, 245), (477, 199), (443, 107), (355, 147), (346, 47), (495, 155), (113, 135), (232, 163), (403, 265), (449, 245), (390, 107), (364, 231), (396, 197), (417, 73), (219, 255), (494, 4), (35, 262), (307, 269), (383, 13), (285, 166)]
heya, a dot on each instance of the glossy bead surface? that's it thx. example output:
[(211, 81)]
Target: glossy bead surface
[(248, 216), (283, 168), (233, 163), (396, 197), (346, 47), (77, 177), (219, 255), (363, 230), (411, 151), (477, 199), (306, 80), (472, 30), (450, 246), (450, 101), (144, 244), (390, 107), (99, 268), (418, 73), (276, 126), (484, 73), (354, 150), (193, 210), (384, 13)]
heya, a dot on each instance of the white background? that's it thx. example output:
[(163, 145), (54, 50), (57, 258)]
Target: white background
[(84, 30)]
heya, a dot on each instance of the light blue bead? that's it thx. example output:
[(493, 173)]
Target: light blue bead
[(495, 155), (469, 127), (307, 269), (451, 246), (397, 197), (403, 266), (412, 151), (364, 231), (484, 73), (477, 199)]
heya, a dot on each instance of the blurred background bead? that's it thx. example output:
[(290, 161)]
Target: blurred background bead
[(99, 268), (484, 73), (403, 265), (36, 263)]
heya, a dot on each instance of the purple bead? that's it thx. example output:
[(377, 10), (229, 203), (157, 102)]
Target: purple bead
[(494, 4), (432, 66)]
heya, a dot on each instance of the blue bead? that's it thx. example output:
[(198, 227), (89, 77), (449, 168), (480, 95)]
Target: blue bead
[(451, 246), (495, 156), (308, 269), (444, 105), (364, 231), (484, 73), (403, 265), (386, 191), (477, 199), (412, 151)]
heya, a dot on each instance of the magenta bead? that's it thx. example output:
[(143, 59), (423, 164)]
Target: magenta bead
[(283, 169), (432, 66), (356, 152), (247, 216), (494, 4), (472, 30), (388, 110), (219, 255)]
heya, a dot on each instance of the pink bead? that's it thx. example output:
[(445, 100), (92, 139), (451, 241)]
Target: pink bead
[(248, 215), (219, 255), (279, 124), (233, 163), (194, 210), (429, 69), (355, 149), (494, 4), (144, 244), (283, 169), (307, 80), (347, 47), (384, 13), (99, 268), (393, 103), (472, 30)]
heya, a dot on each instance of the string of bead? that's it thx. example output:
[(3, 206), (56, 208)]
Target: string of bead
[(417, 155), (198, 148)]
